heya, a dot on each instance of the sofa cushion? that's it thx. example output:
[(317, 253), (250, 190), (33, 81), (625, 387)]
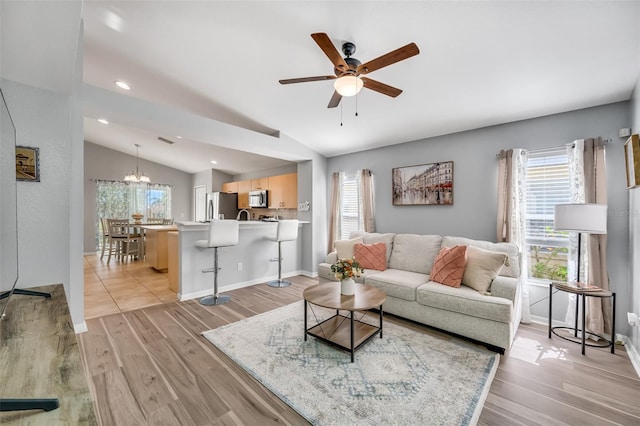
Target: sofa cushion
[(482, 267), (397, 283), (345, 248), (512, 269), (371, 256), (466, 301), (414, 253), (449, 265), (372, 238)]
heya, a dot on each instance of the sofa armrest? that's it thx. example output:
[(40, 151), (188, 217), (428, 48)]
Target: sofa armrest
[(332, 258), (505, 287)]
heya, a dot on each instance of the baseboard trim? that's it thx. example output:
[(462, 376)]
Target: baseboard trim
[(235, 286), (632, 353), (80, 328)]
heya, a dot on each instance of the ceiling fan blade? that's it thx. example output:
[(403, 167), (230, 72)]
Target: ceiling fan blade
[(385, 89), (306, 79), (397, 55), (330, 50), (335, 100)]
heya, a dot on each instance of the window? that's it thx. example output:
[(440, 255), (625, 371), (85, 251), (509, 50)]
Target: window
[(119, 200), (350, 213), (547, 185)]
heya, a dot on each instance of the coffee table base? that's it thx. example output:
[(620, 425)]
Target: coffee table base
[(344, 332)]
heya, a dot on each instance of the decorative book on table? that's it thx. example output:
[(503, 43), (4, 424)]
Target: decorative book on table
[(579, 286)]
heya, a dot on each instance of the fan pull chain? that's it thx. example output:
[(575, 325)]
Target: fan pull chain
[(355, 81), (341, 113)]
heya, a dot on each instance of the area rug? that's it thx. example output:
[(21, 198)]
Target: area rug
[(407, 377)]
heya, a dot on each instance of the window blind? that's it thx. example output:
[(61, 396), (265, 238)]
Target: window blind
[(548, 184), (350, 209)]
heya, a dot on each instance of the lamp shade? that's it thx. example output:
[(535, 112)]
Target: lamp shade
[(589, 218), (348, 85)]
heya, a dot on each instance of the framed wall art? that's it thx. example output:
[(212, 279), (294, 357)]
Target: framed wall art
[(632, 160), (27, 163), (426, 184)]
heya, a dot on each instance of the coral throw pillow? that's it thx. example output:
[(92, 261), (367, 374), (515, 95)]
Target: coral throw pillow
[(448, 267), (371, 256)]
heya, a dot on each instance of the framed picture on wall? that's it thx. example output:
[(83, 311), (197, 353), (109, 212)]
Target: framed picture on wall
[(27, 163), (426, 184), (632, 160)]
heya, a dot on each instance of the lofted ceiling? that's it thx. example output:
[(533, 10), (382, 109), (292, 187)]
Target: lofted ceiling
[(481, 63)]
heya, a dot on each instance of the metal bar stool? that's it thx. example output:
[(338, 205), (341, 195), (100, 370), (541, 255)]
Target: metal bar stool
[(287, 230), (222, 233)]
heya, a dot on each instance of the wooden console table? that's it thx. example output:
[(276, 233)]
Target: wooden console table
[(40, 358)]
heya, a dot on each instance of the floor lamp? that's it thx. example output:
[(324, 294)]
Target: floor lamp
[(580, 218)]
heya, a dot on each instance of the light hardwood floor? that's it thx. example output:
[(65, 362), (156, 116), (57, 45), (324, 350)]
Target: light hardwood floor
[(152, 366), (122, 286)]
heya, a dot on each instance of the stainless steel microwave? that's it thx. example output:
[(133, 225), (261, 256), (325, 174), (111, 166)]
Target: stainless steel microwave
[(258, 199)]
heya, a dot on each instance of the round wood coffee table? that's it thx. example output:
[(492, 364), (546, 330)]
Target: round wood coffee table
[(349, 335)]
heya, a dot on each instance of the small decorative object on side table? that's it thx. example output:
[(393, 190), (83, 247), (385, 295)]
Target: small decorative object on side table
[(584, 290), (346, 270)]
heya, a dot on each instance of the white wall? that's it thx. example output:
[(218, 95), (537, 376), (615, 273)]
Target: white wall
[(473, 213), (634, 232), (44, 119)]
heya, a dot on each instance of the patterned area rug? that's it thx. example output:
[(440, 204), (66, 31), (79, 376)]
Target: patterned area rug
[(406, 377)]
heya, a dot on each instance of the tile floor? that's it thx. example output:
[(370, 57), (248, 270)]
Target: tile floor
[(122, 286)]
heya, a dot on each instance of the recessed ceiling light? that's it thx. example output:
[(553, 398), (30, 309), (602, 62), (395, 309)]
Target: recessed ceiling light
[(103, 121), (214, 162), (179, 137), (123, 85)]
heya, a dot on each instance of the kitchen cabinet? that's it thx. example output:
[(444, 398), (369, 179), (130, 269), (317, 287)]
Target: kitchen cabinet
[(230, 187), (244, 186), (172, 238), (260, 184), (283, 191)]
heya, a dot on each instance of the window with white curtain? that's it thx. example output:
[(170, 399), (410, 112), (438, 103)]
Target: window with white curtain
[(548, 184), (119, 200), (350, 216)]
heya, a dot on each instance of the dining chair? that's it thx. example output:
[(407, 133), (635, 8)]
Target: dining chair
[(122, 243), (167, 221), (105, 234), (155, 221)]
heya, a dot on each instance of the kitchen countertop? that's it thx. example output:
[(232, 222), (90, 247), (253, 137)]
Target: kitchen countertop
[(244, 224)]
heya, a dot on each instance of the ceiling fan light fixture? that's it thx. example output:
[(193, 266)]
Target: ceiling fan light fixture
[(348, 85)]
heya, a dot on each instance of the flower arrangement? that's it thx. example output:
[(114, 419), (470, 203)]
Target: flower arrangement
[(346, 268)]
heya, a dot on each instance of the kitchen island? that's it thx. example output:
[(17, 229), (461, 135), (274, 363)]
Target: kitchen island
[(242, 265)]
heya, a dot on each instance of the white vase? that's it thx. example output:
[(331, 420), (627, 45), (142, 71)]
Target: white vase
[(347, 287)]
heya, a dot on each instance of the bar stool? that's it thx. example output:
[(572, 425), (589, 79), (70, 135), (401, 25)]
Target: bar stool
[(287, 231), (222, 233)]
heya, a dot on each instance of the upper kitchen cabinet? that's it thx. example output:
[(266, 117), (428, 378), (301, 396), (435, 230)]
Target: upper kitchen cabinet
[(244, 186), (260, 184), (230, 187), (283, 191)]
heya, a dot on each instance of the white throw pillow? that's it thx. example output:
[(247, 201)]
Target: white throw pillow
[(482, 267), (345, 248)]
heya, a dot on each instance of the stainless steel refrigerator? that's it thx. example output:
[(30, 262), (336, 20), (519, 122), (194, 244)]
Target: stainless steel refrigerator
[(221, 205)]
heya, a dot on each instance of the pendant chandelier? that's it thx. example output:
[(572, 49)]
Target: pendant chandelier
[(137, 176)]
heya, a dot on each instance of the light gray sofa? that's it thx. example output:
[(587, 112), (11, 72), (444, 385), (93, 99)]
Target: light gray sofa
[(491, 318)]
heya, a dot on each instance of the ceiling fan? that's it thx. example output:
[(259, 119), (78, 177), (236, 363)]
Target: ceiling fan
[(349, 71)]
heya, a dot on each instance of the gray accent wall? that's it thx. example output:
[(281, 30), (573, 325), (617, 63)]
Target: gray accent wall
[(473, 213), (105, 163)]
